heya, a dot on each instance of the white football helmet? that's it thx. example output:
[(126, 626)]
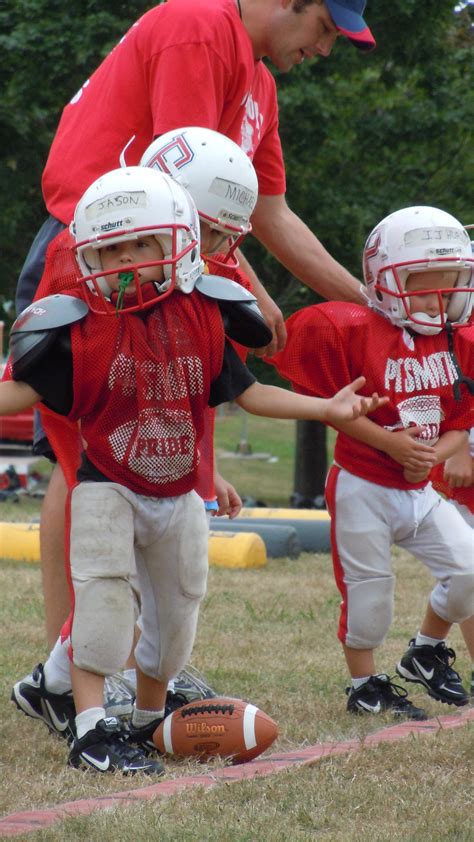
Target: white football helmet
[(418, 239), (126, 204), (219, 175)]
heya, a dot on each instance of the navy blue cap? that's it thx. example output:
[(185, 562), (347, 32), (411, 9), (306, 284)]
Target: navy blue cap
[(347, 16)]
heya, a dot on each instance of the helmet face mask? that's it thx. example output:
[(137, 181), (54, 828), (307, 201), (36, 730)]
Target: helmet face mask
[(413, 240), (155, 207), (218, 174)]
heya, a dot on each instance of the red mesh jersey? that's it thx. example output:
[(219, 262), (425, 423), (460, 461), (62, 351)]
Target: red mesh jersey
[(220, 268), (205, 477), (331, 344), (61, 271), (141, 385), (205, 473)]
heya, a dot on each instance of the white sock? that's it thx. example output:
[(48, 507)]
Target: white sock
[(358, 682), (87, 720), (424, 640), (140, 718), (57, 673)]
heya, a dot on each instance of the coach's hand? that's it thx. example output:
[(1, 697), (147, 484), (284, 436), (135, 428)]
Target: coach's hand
[(275, 321)]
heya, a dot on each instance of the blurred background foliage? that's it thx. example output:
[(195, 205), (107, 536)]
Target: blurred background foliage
[(362, 134)]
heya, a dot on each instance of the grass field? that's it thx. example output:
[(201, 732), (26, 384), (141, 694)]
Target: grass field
[(267, 479), (266, 635)]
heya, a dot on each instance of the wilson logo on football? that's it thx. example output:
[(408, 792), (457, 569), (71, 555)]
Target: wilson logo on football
[(197, 729)]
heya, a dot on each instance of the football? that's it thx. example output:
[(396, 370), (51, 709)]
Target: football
[(219, 727)]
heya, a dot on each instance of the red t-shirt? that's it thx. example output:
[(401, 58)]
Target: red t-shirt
[(331, 344), (184, 63)]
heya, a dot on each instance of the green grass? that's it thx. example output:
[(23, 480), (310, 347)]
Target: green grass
[(269, 480), (267, 635)]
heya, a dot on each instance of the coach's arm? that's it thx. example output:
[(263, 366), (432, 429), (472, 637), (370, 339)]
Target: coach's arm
[(287, 237), (295, 246)]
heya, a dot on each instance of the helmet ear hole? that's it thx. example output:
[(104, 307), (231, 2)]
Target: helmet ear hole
[(378, 295)]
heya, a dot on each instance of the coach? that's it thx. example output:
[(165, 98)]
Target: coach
[(194, 62), (198, 62)]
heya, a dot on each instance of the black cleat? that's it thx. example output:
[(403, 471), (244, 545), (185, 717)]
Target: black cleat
[(379, 694), (106, 748), (431, 666), (56, 710), (143, 736)]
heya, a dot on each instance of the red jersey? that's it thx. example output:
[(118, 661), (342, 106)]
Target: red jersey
[(205, 481), (141, 386), (184, 63), (331, 344)]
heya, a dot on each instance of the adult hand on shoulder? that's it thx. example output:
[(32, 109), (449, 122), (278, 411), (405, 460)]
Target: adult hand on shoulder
[(275, 321)]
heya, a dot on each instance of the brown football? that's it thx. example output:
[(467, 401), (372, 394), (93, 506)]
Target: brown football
[(219, 727)]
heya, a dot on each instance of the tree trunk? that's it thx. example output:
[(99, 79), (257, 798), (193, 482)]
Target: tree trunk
[(310, 466)]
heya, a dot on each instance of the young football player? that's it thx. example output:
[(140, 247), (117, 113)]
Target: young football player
[(411, 342), (222, 180), (179, 64), (224, 185), (136, 357)]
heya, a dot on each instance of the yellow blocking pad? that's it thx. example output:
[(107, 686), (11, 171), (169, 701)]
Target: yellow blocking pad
[(236, 549), (285, 514), (20, 542)]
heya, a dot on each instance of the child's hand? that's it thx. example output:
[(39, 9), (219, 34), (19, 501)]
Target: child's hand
[(414, 455), (459, 470), (229, 501), (412, 475), (346, 405)]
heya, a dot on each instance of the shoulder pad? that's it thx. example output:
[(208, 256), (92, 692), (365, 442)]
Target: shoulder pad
[(243, 321), (52, 311), (34, 330), (223, 289)]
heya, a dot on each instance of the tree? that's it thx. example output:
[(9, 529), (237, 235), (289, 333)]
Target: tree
[(48, 49), (364, 135)]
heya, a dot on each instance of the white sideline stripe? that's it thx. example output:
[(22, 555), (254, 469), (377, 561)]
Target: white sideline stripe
[(167, 735), (249, 726)]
